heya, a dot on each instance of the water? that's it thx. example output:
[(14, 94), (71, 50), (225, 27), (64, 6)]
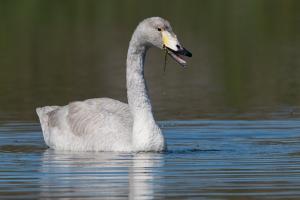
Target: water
[(239, 96), (208, 159)]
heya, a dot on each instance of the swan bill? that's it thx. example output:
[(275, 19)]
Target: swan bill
[(178, 56), (174, 49)]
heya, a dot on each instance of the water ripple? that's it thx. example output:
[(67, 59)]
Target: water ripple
[(221, 159)]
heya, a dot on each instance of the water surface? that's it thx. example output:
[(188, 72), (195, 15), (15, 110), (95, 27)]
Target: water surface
[(243, 77), (208, 159)]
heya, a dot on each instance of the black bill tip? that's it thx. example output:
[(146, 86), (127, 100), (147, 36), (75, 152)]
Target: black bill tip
[(185, 52)]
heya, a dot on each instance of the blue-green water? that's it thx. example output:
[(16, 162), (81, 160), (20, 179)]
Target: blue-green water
[(207, 159), (242, 83)]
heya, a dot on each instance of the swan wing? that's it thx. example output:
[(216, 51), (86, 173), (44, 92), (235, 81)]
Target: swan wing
[(93, 124), (98, 114)]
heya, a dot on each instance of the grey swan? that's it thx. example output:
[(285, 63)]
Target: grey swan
[(104, 124)]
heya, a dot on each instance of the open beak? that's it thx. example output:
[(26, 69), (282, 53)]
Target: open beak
[(174, 49)]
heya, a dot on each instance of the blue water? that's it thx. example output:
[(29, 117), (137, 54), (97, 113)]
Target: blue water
[(207, 159)]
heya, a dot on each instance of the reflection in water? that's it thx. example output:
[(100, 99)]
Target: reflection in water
[(144, 174), (104, 174), (213, 159)]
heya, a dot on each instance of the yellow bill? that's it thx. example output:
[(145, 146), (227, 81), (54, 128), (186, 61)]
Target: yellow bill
[(173, 47)]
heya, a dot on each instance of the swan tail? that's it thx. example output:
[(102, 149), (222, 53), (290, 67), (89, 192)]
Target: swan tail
[(42, 113)]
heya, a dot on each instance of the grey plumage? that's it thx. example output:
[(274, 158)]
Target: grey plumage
[(104, 124)]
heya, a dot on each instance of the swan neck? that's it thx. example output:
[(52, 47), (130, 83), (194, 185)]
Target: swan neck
[(137, 92), (146, 135)]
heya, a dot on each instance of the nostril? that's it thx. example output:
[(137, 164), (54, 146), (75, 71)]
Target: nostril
[(178, 47)]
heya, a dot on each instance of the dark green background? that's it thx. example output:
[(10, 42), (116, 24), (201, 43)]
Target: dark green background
[(246, 56)]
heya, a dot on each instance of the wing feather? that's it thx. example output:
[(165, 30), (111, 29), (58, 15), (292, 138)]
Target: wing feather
[(103, 115)]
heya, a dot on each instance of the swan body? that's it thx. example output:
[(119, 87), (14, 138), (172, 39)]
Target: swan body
[(104, 124)]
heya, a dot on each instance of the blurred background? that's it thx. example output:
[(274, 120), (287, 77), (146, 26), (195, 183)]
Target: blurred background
[(245, 64)]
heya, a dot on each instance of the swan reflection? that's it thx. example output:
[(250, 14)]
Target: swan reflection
[(101, 175)]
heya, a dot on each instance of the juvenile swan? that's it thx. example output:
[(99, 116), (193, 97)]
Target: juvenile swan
[(105, 124)]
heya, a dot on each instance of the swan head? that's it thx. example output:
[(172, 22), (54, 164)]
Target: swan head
[(156, 31)]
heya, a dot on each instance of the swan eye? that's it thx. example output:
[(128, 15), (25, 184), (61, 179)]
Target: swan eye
[(159, 29)]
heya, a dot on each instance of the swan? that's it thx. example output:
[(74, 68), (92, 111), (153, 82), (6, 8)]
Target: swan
[(104, 124)]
